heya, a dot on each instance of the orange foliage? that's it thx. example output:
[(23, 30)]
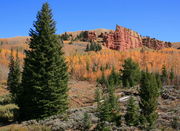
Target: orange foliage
[(88, 66), (151, 60)]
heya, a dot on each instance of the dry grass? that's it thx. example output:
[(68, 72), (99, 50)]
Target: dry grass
[(81, 93), (17, 127)]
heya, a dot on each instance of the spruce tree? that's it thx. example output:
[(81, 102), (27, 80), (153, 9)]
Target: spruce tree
[(171, 76), (11, 71), (164, 75), (158, 80), (109, 109), (86, 122), (98, 95), (130, 73), (149, 93), (103, 81), (132, 114), (45, 77), (87, 47), (14, 77), (114, 78)]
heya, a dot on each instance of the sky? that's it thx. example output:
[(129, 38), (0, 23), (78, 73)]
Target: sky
[(155, 18)]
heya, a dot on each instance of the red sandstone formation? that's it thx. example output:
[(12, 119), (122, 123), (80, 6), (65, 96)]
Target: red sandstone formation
[(155, 44), (122, 39)]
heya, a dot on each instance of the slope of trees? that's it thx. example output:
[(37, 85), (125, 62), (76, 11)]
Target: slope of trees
[(93, 47), (44, 78)]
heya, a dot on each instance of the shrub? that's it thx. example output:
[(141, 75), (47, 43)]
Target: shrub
[(175, 124), (8, 112), (5, 99), (86, 122), (29, 128)]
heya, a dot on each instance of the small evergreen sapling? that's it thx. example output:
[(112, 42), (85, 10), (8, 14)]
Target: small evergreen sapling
[(149, 93), (132, 114)]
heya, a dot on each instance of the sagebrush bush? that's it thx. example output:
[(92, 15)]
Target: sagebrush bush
[(8, 112), (29, 128), (5, 99)]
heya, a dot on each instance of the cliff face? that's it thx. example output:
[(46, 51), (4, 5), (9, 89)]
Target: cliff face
[(155, 44), (123, 39)]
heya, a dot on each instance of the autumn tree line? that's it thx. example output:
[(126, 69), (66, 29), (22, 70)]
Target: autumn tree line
[(90, 66)]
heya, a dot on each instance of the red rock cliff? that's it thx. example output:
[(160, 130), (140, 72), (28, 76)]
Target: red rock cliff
[(155, 44), (122, 39)]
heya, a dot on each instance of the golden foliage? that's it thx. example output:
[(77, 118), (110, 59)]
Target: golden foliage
[(106, 59), (89, 66)]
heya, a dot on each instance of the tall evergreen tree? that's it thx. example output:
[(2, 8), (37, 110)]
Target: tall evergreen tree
[(11, 71), (132, 114), (14, 77), (45, 77), (130, 73), (164, 75), (149, 92)]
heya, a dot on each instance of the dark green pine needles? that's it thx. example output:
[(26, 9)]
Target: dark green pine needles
[(45, 77), (14, 77), (149, 93)]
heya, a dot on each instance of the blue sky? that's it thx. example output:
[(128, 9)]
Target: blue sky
[(154, 18)]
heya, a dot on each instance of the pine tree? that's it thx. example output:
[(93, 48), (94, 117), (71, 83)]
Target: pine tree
[(98, 95), (14, 77), (164, 76), (112, 98), (149, 93), (130, 73), (105, 111), (158, 80), (132, 114), (86, 122), (87, 47), (65, 36), (114, 78), (87, 66), (11, 72), (45, 77), (171, 76), (109, 109), (103, 80)]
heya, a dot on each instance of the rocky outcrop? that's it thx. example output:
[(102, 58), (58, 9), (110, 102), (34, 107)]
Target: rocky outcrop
[(91, 35), (155, 44), (122, 39)]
